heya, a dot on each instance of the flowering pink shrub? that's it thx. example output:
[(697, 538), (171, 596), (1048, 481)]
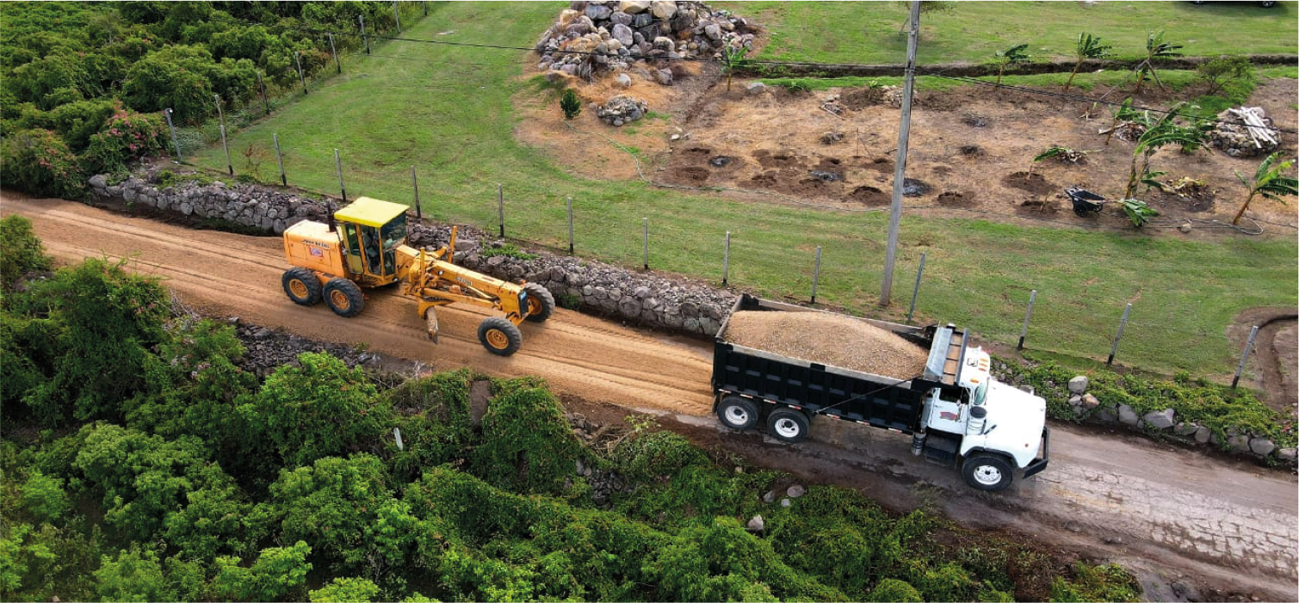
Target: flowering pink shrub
[(37, 161), (126, 136)]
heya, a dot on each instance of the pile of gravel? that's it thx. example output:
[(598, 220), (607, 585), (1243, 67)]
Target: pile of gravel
[(830, 339)]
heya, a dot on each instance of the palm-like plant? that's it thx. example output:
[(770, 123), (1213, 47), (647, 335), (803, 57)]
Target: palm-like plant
[(1270, 180), (733, 59), (1087, 47), (1160, 133), (1014, 54), (1156, 48)]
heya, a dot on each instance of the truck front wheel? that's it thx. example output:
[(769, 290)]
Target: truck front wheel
[(987, 472), (789, 426), (737, 413)]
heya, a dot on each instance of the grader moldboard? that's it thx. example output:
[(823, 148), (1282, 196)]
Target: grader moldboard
[(368, 249)]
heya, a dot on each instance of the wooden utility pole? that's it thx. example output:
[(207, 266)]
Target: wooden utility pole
[(900, 167)]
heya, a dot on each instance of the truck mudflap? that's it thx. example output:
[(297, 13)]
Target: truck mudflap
[(1038, 465)]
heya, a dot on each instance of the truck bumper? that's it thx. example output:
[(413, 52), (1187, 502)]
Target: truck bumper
[(1038, 465)]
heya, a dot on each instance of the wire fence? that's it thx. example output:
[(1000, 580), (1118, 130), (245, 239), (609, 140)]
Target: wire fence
[(744, 253)]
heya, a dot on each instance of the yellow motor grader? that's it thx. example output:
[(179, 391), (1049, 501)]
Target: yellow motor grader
[(367, 249)]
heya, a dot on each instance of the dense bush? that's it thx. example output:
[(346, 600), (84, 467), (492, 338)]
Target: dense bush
[(318, 409), (20, 251), (527, 445), (37, 161), (126, 136)]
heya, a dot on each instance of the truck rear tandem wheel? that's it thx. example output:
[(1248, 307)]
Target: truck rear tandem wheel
[(737, 413), (787, 425)]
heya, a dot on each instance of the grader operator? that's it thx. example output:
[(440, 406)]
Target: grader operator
[(368, 249)]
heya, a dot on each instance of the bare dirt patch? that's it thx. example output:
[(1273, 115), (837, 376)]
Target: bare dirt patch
[(965, 139), (1275, 361)]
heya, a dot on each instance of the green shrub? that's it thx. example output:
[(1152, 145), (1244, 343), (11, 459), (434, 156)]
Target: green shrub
[(434, 421), (44, 497), (527, 446), (134, 575), (319, 409), (20, 250), (1096, 583), (37, 161), (508, 250), (105, 320), (570, 104), (126, 136), (345, 590), (277, 573), (892, 589), (569, 301)]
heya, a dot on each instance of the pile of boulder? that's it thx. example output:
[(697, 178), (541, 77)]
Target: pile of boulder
[(594, 37), (1245, 132), (621, 110)]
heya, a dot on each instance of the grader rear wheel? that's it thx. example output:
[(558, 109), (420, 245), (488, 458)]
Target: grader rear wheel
[(499, 336), (302, 286), (541, 304), (344, 297)]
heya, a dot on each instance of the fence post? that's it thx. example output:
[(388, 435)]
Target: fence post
[(726, 259), (570, 226), (500, 203), (363, 34), (1122, 323), (302, 77), (916, 291), (262, 86), (173, 134), (425, 8), (334, 51), (1244, 355), (396, 16), (645, 241), (229, 167), (816, 272), (1023, 332), (415, 184), (338, 165), (279, 158)]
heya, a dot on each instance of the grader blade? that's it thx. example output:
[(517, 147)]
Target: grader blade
[(431, 316)]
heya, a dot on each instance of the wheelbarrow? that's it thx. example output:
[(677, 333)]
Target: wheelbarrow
[(1084, 201)]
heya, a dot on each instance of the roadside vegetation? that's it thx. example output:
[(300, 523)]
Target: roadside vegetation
[(141, 462)]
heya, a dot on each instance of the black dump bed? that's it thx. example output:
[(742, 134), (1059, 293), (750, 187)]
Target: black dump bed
[(829, 390)]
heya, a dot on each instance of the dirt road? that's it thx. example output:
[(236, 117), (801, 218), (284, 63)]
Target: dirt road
[(1174, 516)]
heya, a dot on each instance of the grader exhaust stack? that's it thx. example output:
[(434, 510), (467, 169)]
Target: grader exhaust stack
[(368, 249)]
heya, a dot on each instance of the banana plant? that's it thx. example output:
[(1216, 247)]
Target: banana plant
[(1012, 55), (1138, 211), (1270, 180), (1163, 132), (1087, 47), (733, 59), (1156, 48)]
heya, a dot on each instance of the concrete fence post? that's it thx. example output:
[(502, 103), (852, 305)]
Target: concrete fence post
[(1122, 323), (1244, 355), (1023, 332), (816, 272), (279, 158), (171, 127), (915, 292)]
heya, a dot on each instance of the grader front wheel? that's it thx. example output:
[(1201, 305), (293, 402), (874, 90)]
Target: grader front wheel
[(499, 336), (541, 304)]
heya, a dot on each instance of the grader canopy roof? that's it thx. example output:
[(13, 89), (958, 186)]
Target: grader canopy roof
[(370, 212)]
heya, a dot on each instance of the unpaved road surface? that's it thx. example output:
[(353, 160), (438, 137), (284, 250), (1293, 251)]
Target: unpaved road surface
[(1229, 528)]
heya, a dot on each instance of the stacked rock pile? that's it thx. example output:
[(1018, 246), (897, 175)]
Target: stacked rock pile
[(620, 110), (1234, 136), (591, 37)]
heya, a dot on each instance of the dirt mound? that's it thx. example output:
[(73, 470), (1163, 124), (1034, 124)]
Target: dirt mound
[(1029, 182), (830, 339)]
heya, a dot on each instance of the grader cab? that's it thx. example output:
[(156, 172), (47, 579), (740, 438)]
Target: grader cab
[(368, 249)]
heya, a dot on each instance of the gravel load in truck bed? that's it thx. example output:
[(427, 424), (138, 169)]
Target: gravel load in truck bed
[(829, 339)]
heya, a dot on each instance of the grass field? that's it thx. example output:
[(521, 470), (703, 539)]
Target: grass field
[(447, 111), (868, 32)]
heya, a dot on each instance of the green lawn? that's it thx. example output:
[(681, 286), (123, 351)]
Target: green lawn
[(447, 111), (868, 32)]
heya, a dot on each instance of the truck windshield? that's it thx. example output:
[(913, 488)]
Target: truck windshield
[(981, 394), (393, 232)]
